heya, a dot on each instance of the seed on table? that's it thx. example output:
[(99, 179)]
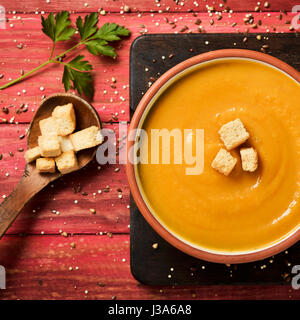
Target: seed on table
[(92, 210), (11, 154), (266, 4), (100, 284), (1, 156), (1, 76), (73, 245), (5, 110), (245, 39), (20, 149), (184, 29), (127, 9), (155, 245)]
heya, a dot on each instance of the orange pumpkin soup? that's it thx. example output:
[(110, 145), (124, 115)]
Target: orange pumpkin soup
[(244, 211)]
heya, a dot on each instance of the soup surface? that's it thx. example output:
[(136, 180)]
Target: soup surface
[(243, 211)]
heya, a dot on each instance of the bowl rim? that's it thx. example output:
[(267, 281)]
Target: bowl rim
[(136, 193)]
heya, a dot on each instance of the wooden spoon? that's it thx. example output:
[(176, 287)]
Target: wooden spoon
[(32, 181)]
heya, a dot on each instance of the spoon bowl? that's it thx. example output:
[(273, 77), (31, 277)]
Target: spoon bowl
[(32, 180)]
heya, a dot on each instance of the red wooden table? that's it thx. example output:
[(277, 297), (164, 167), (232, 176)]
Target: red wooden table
[(57, 248)]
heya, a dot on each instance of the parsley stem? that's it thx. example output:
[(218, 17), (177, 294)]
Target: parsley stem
[(52, 50), (51, 60), (25, 75)]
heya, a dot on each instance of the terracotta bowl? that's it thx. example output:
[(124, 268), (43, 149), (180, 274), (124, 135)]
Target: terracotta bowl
[(141, 113)]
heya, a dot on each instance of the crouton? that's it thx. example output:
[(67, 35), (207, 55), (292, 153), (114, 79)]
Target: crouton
[(65, 143), (233, 134), (48, 126), (67, 162), (32, 154), (65, 119), (50, 146), (86, 138), (249, 159), (224, 162), (45, 165)]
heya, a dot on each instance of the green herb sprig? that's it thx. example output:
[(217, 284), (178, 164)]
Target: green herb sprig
[(77, 72)]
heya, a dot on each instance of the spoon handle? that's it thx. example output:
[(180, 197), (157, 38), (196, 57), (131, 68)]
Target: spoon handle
[(12, 205)]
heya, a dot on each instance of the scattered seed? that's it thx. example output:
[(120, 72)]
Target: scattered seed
[(5, 110), (155, 245), (184, 29), (127, 9), (93, 211), (100, 284)]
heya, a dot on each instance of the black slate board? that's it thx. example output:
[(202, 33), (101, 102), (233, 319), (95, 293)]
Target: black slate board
[(166, 265)]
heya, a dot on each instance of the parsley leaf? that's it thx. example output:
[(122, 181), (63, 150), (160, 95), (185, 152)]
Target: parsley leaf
[(111, 32), (101, 47), (96, 40), (89, 27), (76, 71), (58, 28)]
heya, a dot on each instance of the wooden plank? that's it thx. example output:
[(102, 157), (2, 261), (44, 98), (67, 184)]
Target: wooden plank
[(39, 268), (141, 6), (108, 101), (74, 216)]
